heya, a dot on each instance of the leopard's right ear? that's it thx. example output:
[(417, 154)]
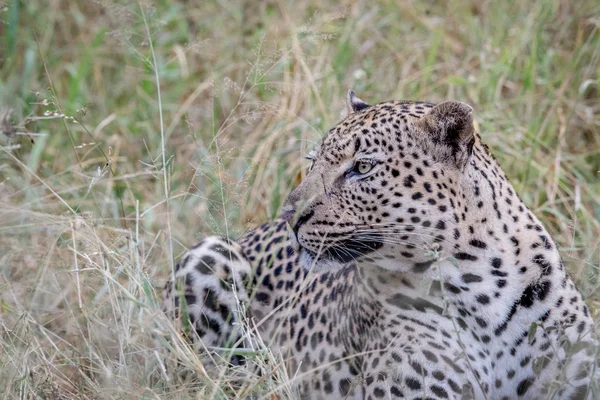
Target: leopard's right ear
[(354, 103), (449, 127)]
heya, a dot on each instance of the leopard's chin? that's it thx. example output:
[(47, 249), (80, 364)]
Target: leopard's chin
[(311, 261)]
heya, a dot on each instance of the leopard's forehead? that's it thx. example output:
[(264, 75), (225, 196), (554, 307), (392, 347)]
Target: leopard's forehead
[(415, 109), (381, 119)]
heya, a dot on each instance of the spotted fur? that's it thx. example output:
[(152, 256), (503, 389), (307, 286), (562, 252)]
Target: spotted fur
[(424, 277)]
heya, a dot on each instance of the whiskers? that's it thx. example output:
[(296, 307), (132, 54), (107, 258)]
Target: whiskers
[(366, 239), (404, 233)]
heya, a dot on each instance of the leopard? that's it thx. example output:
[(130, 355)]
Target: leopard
[(403, 265)]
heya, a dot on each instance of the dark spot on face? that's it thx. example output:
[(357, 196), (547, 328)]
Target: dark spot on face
[(496, 262), (439, 375), (470, 278), (465, 256), (422, 267), (524, 385), (397, 393), (454, 386), (477, 243), (439, 391), (413, 383), (409, 181), (451, 288), (262, 297), (430, 356)]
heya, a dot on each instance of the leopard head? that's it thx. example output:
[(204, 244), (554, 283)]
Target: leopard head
[(383, 185)]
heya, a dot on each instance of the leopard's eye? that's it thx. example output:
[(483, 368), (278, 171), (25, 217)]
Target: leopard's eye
[(363, 167)]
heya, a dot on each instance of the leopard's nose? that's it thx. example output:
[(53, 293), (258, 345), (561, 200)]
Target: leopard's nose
[(289, 206)]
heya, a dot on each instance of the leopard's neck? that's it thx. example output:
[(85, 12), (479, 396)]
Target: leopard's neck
[(498, 279)]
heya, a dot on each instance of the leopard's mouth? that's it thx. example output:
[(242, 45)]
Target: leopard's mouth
[(337, 255)]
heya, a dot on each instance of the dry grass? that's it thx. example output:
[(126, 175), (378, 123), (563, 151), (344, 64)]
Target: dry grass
[(102, 185)]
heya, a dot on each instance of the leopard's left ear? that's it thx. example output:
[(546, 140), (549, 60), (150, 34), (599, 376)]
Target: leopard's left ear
[(449, 126), (354, 103)]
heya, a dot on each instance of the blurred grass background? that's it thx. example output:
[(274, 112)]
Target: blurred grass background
[(89, 227)]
